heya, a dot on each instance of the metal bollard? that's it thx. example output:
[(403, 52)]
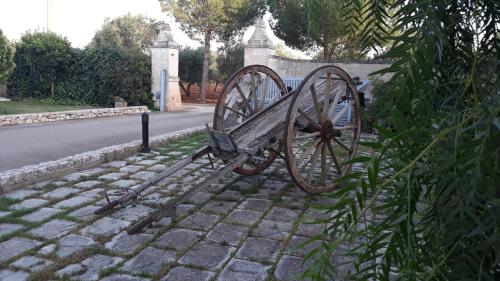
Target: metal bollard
[(145, 133)]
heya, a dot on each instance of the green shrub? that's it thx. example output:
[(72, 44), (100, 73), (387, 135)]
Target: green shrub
[(103, 72), (42, 61), (47, 66), (6, 58)]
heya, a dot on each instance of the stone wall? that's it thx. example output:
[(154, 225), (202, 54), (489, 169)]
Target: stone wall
[(300, 68), (17, 119), (260, 50)]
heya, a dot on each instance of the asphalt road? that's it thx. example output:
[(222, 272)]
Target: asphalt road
[(32, 144)]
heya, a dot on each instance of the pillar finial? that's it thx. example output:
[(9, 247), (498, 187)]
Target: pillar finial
[(259, 38), (165, 38)]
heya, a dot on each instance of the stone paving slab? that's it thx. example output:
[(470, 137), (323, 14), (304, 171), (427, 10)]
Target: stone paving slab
[(60, 193), (272, 230), (29, 204), (218, 207), (73, 202), (242, 270), (105, 227), (54, 229), (230, 234), (123, 277), (85, 213), (32, 263), (41, 214), (9, 275), (131, 213), (73, 243), (96, 264), (259, 249), (241, 228), (16, 246), (126, 244), (290, 268), (183, 274), (20, 194), (244, 217), (179, 239), (149, 261), (8, 228), (200, 221), (207, 255), (4, 214)]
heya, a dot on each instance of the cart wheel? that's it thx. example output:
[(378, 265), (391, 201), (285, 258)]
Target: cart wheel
[(322, 129), (246, 93)]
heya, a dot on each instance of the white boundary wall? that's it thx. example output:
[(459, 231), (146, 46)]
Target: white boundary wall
[(30, 118), (287, 68)]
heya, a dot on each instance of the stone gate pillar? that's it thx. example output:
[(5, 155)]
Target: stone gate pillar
[(165, 56), (259, 47)]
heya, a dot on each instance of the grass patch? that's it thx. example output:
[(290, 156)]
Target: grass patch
[(185, 145), (5, 203), (34, 106)]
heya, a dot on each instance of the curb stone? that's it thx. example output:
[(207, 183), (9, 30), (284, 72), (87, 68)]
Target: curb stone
[(16, 178)]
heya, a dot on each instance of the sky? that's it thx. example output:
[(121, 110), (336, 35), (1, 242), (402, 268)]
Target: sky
[(78, 20)]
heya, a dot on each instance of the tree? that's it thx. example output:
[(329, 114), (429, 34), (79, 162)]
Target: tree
[(432, 179), (206, 20), (128, 31), (6, 58), (230, 58), (306, 24), (281, 51), (190, 66), (42, 60)]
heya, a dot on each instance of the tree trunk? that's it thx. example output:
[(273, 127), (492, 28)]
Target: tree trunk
[(216, 85), (181, 84), (52, 88), (206, 60), (327, 55), (188, 93)]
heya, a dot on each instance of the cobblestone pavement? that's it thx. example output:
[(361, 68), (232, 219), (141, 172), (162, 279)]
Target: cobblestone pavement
[(244, 228)]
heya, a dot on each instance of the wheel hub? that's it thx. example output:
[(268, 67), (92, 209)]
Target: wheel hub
[(327, 131)]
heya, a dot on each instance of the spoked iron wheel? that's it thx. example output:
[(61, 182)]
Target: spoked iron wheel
[(322, 129), (248, 92)]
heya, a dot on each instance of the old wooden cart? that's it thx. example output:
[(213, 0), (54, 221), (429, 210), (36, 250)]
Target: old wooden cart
[(317, 126)]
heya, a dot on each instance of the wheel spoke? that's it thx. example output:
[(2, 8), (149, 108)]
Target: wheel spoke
[(253, 92), (334, 158), (263, 96), (308, 151), (341, 144), (323, 165), (235, 111), (338, 95), (311, 121), (314, 96), (313, 161), (326, 95), (245, 100), (307, 136)]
